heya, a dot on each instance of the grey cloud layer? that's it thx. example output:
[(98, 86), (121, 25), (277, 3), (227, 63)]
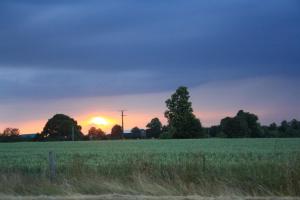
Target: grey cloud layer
[(78, 48)]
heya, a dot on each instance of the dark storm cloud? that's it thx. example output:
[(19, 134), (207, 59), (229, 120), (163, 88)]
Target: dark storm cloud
[(84, 48)]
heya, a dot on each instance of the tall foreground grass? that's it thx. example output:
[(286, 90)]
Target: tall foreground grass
[(158, 167)]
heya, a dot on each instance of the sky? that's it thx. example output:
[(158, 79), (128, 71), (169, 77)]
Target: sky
[(94, 58)]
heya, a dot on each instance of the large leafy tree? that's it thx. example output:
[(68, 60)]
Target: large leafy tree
[(10, 135), (11, 132), (182, 121), (116, 131), (136, 130), (244, 124), (61, 127), (154, 128), (289, 129), (96, 133)]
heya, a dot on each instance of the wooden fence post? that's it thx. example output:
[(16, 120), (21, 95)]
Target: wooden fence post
[(203, 163), (52, 166)]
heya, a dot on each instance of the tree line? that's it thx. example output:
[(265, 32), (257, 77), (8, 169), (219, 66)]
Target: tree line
[(181, 124)]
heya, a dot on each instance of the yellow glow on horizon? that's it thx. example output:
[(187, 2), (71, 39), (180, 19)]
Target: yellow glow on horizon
[(105, 121), (85, 120), (100, 121)]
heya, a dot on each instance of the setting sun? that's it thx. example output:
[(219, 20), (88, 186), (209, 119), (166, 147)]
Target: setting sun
[(99, 121)]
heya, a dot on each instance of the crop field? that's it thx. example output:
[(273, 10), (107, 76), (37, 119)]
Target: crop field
[(206, 167)]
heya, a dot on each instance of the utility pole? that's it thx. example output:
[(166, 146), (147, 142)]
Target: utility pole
[(122, 116)]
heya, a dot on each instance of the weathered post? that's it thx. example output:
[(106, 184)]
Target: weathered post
[(203, 163), (52, 166)]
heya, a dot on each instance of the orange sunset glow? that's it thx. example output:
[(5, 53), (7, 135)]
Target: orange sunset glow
[(107, 120), (99, 121), (103, 112), (103, 122)]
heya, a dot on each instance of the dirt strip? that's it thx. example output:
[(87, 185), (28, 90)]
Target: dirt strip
[(139, 197)]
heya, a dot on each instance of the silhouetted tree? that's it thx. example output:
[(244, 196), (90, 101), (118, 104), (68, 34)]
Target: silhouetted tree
[(165, 128), (231, 127), (271, 130), (11, 132), (182, 122), (60, 127), (283, 127), (116, 131), (273, 126), (10, 135), (289, 129), (136, 130), (96, 133), (154, 128), (295, 124), (166, 132), (214, 131), (244, 124)]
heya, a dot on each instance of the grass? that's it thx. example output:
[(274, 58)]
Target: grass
[(208, 167)]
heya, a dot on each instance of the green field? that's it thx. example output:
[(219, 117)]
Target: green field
[(156, 167)]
